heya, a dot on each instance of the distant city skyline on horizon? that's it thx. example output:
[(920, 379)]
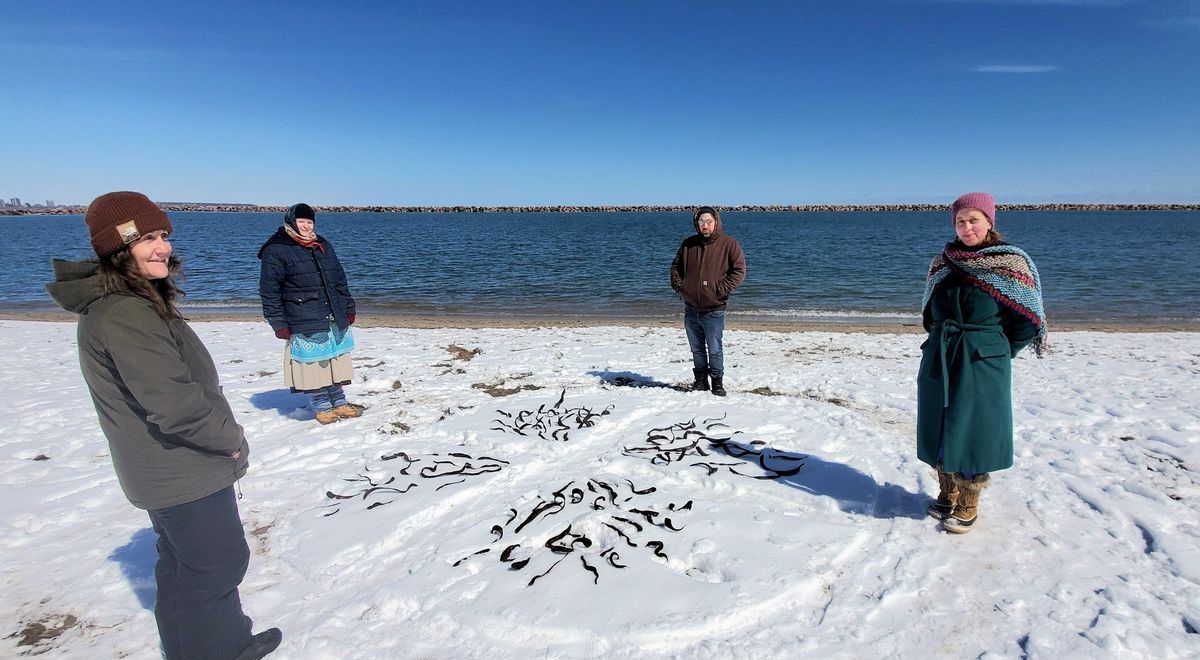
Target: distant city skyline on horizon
[(584, 104)]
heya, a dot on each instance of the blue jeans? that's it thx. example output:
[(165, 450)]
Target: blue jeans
[(202, 558), (704, 330), (327, 398)]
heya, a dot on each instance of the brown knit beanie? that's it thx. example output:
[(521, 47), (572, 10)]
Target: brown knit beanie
[(117, 219)]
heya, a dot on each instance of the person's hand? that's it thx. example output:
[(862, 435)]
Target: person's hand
[(236, 455), (283, 333), (350, 318)]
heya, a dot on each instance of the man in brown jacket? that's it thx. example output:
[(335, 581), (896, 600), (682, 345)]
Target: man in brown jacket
[(706, 270)]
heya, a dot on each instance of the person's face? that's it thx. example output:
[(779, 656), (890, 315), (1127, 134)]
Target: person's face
[(707, 223), (150, 253), (972, 226), (305, 226)]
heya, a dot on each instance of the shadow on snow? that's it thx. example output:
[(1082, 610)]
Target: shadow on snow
[(854, 491), (283, 401), (137, 559), (633, 379)]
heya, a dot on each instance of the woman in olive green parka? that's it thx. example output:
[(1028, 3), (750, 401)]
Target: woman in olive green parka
[(982, 305), (175, 445)]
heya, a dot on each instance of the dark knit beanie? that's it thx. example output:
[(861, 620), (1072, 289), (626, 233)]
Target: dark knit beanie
[(299, 211), (117, 219), (975, 200)]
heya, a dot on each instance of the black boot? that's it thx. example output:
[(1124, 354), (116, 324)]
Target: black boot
[(261, 644), (701, 384), (718, 388)]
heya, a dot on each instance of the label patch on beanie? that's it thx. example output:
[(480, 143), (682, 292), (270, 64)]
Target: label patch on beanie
[(129, 232)]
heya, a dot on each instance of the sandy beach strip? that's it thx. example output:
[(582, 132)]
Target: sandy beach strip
[(374, 319)]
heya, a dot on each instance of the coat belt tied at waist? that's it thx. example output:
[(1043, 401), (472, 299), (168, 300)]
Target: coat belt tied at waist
[(952, 332)]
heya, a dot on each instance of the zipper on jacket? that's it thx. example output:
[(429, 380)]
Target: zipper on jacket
[(324, 286)]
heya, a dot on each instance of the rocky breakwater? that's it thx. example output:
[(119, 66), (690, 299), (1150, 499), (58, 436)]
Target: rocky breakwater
[(614, 208)]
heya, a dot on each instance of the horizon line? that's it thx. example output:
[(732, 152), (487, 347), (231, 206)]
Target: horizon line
[(219, 207)]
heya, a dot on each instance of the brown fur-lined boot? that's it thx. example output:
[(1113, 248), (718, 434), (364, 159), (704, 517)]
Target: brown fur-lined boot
[(966, 509), (947, 496)]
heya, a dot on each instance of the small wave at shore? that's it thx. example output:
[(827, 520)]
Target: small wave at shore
[(825, 314), (250, 309), (222, 304)]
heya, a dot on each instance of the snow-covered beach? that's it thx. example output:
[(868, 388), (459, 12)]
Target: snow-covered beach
[(548, 492)]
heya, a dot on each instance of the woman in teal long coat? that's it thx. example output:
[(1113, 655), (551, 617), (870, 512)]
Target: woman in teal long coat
[(982, 305)]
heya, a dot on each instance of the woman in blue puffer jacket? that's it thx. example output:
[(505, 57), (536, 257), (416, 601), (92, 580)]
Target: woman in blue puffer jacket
[(306, 300)]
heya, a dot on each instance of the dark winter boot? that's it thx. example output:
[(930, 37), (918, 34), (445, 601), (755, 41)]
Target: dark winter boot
[(261, 644), (701, 384), (966, 509), (947, 496), (718, 387)]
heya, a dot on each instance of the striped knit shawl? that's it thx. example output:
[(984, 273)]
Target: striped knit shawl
[(1004, 272)]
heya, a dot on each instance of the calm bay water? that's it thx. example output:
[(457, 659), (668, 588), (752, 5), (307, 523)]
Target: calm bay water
[(1119, 267)]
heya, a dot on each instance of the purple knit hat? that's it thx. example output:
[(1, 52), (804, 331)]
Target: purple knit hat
[(975, 200)]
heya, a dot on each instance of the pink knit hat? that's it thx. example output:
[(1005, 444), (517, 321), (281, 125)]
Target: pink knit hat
[(975, 200)]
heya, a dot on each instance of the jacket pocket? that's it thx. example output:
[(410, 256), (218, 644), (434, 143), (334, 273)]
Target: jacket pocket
[(295, 304), (706, 297), (300, 298), (992, 350), (693, 295)]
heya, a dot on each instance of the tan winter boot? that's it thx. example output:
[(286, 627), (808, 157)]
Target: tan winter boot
[(327, 416), (966, 509), (947, 496), (349, 410)]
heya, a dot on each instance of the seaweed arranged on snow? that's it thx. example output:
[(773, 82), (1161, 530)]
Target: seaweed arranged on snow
[(688, 440), (602, 518), (553, 423), (435, 467)]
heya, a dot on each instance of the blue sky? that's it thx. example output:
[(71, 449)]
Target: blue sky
[(522, 103)]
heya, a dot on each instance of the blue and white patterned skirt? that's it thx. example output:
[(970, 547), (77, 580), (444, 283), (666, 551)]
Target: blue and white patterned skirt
[(322, 346)]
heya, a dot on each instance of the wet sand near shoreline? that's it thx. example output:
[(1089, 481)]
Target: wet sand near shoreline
[(752, 324)]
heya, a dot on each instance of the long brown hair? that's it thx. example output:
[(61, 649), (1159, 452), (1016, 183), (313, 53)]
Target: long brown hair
[(119, 274)]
